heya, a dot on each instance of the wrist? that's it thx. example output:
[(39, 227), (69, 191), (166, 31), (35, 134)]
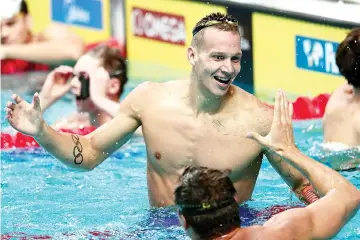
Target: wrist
[(290, 152), (42, 129)]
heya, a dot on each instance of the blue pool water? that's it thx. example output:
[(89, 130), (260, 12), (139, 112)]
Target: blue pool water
[(42, 197)]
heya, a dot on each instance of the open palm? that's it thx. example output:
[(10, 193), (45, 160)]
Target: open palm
[(25, 117), (280, 137)]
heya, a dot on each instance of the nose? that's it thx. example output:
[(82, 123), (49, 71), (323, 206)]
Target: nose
[(227, 68)]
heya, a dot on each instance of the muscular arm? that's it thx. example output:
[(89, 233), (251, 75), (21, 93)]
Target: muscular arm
[(324, 218), (293, 178), (86, 152), (58, 44)]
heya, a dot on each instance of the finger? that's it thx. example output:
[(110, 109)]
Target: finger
[(286, 107), (8, 114), (282, 107), (291, 111), (36, 101), (8, 110), (10, 105), (17, 98), (277, 107), (257, 137), (64, 69)]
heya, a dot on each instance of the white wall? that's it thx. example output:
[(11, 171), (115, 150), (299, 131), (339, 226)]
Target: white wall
[(326, 9)]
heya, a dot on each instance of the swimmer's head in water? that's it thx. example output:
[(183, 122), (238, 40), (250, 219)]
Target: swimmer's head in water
[(107, 65), (205, 198), (348, 57), (215, 52), (15, 22)]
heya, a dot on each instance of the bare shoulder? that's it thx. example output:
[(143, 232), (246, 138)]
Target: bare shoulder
[(290, 223), (339, 98), (172, 88), (261, 232), (262, 113), (147, 93)]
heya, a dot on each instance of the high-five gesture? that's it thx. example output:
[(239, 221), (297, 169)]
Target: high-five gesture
[(280, 137)]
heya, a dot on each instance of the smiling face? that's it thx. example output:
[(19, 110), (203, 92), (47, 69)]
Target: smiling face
[(216, 59)]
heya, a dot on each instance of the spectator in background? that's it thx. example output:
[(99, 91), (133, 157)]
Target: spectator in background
[(54, 45), (101, 72), (341, 119)]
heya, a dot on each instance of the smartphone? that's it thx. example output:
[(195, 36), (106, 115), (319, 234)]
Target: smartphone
[(85, 86)]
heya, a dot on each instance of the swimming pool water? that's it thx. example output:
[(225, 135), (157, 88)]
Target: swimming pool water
[(43, 198)]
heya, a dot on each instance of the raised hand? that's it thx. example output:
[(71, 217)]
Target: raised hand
[(57, 84), (280, 137), (25, 117)]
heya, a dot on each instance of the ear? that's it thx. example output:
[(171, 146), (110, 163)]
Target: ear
[(191, 55), (28, 21), (113, 87), (182, 220)]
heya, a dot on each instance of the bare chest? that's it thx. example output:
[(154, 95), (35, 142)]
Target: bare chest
[(179, 140)]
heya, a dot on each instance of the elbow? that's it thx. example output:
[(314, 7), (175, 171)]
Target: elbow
[(88, 168)]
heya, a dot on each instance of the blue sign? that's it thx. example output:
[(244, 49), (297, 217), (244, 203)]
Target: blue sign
[(316, 55), (86, 13)]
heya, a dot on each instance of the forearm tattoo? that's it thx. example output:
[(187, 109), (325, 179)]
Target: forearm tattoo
[(77, 151), (281, 162)]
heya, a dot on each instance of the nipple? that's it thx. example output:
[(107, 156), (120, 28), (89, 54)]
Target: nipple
[(157, 155)]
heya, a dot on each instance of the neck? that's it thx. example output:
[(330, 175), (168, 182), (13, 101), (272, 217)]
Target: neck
[(230, 235), (356, 95), (202, 100)]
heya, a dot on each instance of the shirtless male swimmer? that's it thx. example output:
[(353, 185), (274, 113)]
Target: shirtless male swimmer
[(342, 113), (207, 208), (183, 122)]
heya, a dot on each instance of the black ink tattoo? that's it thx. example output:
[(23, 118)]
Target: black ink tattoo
[(290, 175), (77, 151)]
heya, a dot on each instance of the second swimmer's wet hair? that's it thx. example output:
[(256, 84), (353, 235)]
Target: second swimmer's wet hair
[(205, 198), (348, 57), (111, 59)]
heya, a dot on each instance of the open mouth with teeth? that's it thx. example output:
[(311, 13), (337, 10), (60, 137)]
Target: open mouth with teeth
[(222, 80)]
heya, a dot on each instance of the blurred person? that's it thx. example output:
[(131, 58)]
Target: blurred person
[(54, 45), (342, 113), (183, 122), (208, 210), (97, 81)]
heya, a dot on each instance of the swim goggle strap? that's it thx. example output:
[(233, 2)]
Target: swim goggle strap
[(204, 208), (231, 21)]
